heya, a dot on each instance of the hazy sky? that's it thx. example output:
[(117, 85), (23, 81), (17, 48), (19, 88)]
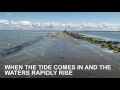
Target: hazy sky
[(65, 19)]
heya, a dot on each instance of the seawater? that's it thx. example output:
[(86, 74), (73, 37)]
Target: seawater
[(12, 41), (110, 36)]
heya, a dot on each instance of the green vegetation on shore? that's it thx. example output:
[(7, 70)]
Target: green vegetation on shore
[(111, 45)]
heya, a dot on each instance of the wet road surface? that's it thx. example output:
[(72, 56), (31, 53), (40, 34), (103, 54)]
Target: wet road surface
[(62, 49)]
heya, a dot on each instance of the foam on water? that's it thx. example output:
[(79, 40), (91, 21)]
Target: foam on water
[(106, 50), (52, 34)]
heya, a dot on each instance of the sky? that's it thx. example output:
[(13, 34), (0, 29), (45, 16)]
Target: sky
[(60, 20)]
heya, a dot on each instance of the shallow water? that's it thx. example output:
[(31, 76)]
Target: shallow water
[(56, 51), (13, 40)]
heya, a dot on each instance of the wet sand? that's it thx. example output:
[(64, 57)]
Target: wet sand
[(62, 49)]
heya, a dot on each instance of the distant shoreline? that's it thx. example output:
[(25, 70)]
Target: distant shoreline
[(62, 30), (97, 31)]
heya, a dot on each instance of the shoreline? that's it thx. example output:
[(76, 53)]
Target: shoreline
[(110, 45)]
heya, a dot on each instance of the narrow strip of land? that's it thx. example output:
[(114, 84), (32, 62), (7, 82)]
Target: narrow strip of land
[(62, 35), (63, 49)]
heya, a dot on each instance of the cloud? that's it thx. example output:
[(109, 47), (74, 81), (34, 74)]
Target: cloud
[(27, 25), (8, 14), (4, 21)]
